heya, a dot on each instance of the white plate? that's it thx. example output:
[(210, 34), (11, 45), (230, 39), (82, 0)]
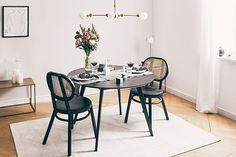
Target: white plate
[(82, 79), (138, 72)]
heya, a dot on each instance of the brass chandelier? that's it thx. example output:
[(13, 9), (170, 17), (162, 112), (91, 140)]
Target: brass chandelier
[(114, 14)]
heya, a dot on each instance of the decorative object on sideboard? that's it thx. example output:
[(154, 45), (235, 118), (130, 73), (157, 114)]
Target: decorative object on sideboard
[(87, 40), (15, 21), (150, 40), (114, 14), (17, 75)]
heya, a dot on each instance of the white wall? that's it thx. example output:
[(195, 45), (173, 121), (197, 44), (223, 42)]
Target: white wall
[(50, 45), (177, 32), (227, 100)]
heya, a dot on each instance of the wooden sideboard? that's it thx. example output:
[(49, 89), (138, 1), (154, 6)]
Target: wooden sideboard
[(30, 85)]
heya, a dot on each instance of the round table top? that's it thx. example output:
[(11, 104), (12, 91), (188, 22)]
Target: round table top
[(136, 81)]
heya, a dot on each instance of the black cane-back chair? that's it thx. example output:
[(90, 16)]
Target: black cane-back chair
[(66, 102), (159, 67)]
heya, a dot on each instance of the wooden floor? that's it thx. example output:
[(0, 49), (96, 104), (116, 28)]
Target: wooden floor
[(220, 126)]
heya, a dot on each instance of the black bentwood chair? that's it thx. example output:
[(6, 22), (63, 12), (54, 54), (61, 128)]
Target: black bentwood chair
[(66, 102), (159, 68)]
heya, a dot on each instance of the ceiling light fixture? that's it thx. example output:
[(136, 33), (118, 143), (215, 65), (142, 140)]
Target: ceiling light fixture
[(114, 14)]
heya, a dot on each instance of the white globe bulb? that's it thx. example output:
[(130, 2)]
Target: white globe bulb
[(83, 15), (143, 16), (111, 15), (150, 39)]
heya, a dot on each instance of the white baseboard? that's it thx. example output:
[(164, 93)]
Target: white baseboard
[(181, 94), (43, 98), (226, 113), (13, 102), (40, 98), (192, 99), (9, 102)]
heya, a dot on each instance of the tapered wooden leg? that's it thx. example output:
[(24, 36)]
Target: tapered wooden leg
[(119, 99), (74, 121), (150, 109), (164, 108), (70, 121), (49, 127), (99, 117), (143, 103), (93, 122), (82, 90), (77, 89), (128, 107)]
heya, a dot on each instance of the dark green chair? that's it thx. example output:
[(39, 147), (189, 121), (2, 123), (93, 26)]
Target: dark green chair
[(160, 70), (66, 102)]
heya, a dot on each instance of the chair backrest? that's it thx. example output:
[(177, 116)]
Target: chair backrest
[(60, 86), (158, 66)]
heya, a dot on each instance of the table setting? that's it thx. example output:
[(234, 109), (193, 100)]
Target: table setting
[(107, 73)]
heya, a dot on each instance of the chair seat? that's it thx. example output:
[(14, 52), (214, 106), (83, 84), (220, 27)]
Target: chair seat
[(149, 91), (77, 105)]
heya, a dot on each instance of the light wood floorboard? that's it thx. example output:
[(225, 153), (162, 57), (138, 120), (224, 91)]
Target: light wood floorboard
[(218, 125)]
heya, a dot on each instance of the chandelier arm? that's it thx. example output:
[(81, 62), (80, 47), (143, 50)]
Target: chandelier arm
[(136, 15), (90, 15)]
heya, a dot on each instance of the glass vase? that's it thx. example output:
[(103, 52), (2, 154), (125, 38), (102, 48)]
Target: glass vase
[(87, 62)]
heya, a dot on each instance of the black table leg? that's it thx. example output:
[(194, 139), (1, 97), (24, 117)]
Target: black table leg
[(150, 109), (99, 117), (128, 106), (119, 99), (82, 91), (143, 103), (77, 89)]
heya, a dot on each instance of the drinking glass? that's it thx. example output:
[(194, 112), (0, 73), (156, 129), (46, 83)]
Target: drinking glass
[(94, 68), (129, 68)]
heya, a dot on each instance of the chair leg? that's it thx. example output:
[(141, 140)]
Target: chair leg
[(150, 109), (74, 121), (81, 93), (164, 108), (119, 99), (93, 122), (128, 107), (49, 127), (145, 99), (70, 123)]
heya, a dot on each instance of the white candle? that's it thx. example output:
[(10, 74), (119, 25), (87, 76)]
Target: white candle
[(19, 78), (13, 78), (108, 71), (123, 71)]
